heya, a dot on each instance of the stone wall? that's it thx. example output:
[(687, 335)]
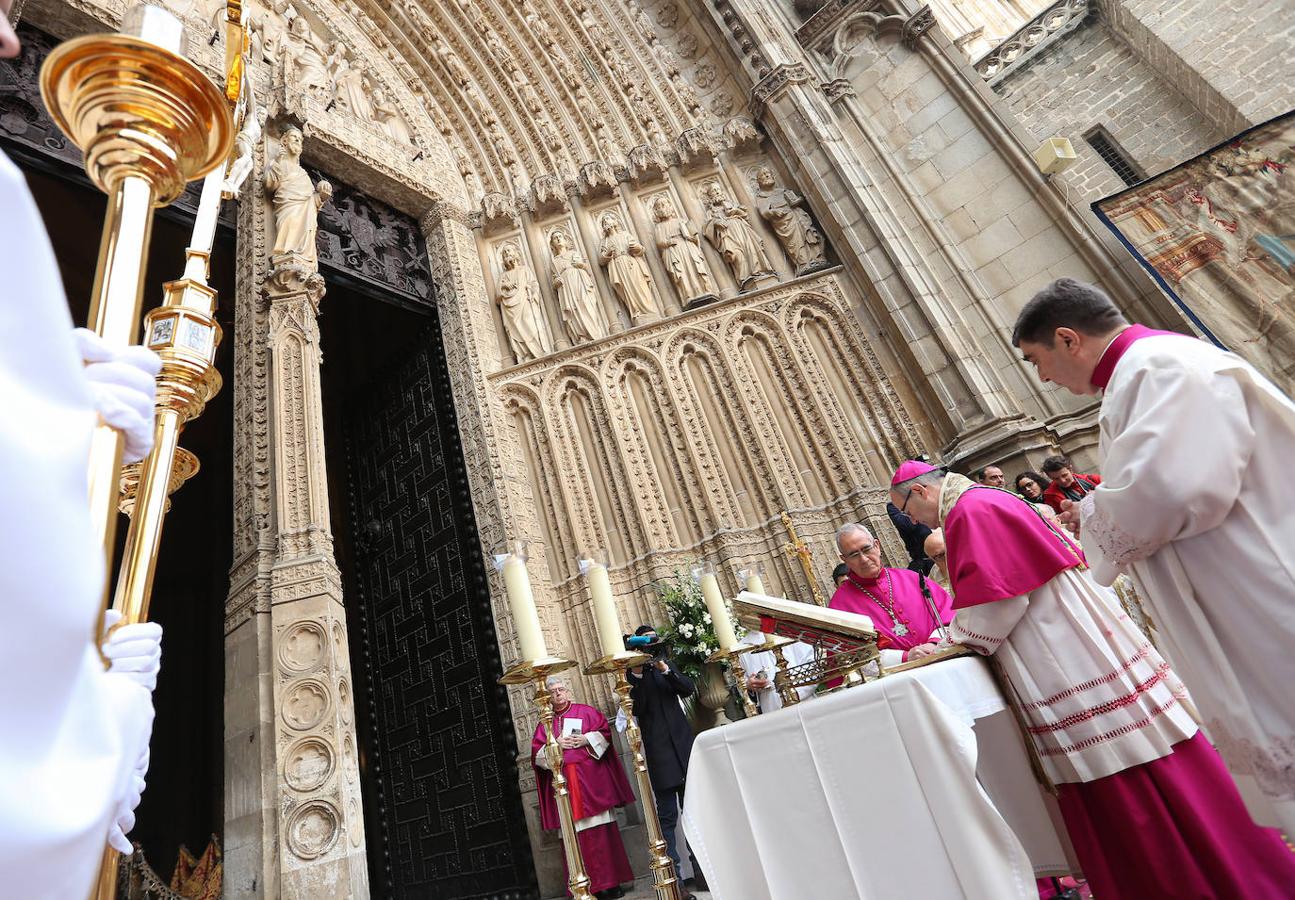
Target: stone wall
[(1092, 78)]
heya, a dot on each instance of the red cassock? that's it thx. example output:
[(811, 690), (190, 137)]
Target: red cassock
[(596, 785)]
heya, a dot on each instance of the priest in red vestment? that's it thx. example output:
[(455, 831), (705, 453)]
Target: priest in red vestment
[(596, 783), (1149, 806), (895, 599)]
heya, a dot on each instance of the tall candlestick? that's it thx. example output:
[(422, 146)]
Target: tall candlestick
[(715, 605), (610, 637), (752, 578), (521, 603)]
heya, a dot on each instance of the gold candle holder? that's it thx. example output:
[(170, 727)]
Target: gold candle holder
[(536, 672), (664, 879), (148, 121), (733, 657), (781, 678)]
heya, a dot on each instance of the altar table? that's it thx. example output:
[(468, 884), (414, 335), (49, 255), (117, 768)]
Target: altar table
[(875, 793)]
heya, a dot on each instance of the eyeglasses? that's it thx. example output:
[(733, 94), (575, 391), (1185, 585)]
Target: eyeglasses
[(862, 551), (903, 507)]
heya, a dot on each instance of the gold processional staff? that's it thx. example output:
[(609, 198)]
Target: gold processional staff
[(148, 121)]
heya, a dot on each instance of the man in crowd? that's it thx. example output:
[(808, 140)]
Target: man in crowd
[(596, 783), (1065, 484), (913, 535), (657, 689), (1195, 446), (935, 549), (839, 574), (897, 600), (1145, 798), (990, 476), (74, 745)]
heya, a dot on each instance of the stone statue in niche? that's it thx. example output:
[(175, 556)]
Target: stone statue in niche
[(520, 305), (582, 316), (296, 206), (680, 246), (349, 89), (622, 255), (731, 234), (304, 67), (782, 209), (386, 115)]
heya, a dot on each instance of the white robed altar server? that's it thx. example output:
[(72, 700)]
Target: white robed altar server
[(763, 661), (73, 737), (1195, 455)]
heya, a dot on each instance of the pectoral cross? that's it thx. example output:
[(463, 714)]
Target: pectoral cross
[(800, 551)]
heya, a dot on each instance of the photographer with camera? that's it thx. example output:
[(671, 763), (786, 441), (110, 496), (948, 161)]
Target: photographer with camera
[(657, 690)]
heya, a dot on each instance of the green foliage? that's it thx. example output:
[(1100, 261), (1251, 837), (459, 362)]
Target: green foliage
[(690, 633)]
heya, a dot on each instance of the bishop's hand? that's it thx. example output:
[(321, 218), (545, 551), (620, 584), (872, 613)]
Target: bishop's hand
[(920, 651), (1070, 516)]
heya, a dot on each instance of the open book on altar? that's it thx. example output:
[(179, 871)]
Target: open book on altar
[(830, 629)]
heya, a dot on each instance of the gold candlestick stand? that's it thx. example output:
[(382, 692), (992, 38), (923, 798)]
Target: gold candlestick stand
[(734, 659), (148, 122), (536, 672), (781, 678), (664, 879)]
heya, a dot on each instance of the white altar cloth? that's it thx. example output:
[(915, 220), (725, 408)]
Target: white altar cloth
[(872, 793)]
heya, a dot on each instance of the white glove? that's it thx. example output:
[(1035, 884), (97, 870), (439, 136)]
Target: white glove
[(123, 387), (134, 651), (123, 820)]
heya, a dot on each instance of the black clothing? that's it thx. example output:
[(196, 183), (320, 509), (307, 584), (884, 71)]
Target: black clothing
[(667, 736), (914, 537)]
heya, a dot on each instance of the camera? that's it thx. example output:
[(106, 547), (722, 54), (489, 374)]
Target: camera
[(651, 644)]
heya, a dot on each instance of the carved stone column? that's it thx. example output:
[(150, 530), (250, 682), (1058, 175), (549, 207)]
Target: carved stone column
[(321, 823)]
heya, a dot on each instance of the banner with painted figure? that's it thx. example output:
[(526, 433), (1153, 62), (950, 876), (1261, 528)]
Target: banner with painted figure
[(1218, 233)]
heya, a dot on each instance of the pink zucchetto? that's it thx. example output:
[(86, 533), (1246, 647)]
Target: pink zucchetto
[(910, 469)]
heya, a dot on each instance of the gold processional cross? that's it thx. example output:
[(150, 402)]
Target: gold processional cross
[(801, 551)]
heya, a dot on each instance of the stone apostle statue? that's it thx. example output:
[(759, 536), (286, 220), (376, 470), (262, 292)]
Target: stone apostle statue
[(304, 67), (680, 248), (731, 234), (781, 208), (577, 297), (520, 305), (622, 255), (296, 204)]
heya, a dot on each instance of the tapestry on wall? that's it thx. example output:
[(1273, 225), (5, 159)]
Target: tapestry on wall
[(1218, 233)]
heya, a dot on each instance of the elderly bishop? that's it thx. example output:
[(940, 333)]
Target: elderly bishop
[(899, 601), (1147, 801)]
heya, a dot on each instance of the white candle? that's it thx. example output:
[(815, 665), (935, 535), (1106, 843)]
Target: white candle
[(718, 611), (754, 584), (610, 637), (521, 602)]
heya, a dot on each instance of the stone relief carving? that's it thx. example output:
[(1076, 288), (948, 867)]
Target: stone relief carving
[(350, 82), (622, 255), (302, 646), (386, 115), (731, 234), (782, 209), (573, 282), (680, 246), (308, 764), (313, 829), (296, 212), (303, 63), (520, 305), (305, 704)]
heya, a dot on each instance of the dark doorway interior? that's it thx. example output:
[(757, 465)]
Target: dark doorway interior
[(442, 810), (183, 802)]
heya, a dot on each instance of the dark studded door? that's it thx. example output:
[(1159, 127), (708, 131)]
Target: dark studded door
[(443, 813)]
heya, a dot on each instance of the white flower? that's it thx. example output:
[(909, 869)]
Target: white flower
[(705, 617), (686, 629), (703, 648)]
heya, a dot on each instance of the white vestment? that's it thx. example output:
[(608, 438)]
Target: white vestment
[(70, 734), (795, 653), (1196, 449)]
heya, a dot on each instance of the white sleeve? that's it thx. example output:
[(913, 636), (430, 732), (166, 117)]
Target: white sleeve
[(1173, 470), (542, 759), (983, 628), (597, 743), (891, 657)]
